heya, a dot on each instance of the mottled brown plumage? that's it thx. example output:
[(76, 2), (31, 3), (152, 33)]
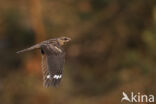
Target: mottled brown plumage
[(53, 57)]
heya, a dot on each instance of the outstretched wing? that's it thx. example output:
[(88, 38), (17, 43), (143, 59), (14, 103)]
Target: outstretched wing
[(52, 64), (30, 48)]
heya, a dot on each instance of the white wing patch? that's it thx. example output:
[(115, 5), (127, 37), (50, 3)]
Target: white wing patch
[(48, 76), (57, 76)]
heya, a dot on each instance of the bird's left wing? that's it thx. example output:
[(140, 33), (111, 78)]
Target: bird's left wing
[(52, 64)]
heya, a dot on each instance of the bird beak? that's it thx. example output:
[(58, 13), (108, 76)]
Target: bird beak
[(69, 39)]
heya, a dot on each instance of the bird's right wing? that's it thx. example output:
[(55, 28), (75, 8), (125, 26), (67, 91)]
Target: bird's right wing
[(52, 64)]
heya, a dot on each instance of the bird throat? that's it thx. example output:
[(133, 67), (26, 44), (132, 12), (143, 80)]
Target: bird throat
[(61, 43)]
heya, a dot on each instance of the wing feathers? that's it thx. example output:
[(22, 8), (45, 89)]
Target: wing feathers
[(52, 65), (29, 49)]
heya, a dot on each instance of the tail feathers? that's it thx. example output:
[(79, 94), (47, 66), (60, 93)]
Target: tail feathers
[(29, 49)]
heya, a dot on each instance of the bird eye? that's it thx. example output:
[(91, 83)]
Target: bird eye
[(65, 39)]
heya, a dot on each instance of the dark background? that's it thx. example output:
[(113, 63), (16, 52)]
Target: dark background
[(113, 49)]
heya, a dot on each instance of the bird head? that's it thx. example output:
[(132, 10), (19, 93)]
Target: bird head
[(63, 40)]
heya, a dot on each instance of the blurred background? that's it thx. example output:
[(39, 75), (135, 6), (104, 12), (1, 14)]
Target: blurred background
[(113, 49)]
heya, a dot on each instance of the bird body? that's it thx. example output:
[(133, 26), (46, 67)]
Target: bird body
[(53, 58)]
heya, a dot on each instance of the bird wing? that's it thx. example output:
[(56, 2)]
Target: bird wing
[(52, 64), (30, 48)]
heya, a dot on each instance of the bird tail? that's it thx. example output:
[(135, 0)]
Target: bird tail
[(29, 49)]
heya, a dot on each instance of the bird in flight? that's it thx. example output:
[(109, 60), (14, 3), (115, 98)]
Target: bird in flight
[(53, 57)]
